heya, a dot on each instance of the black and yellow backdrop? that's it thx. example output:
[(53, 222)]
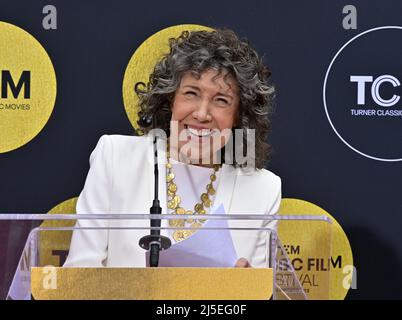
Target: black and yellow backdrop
[(67, 70)]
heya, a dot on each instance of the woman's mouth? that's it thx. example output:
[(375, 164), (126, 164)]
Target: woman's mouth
[(199, 134)]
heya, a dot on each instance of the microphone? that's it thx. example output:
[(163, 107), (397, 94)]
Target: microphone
[(153, 242)]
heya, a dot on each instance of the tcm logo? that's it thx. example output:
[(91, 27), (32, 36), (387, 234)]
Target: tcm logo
[(17, 87), (366, 81)]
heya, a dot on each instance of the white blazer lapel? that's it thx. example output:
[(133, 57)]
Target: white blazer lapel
[(224, 191), (162, 182), (224, 196)]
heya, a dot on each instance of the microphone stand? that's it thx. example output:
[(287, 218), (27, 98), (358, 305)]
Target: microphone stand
[(154, 242)]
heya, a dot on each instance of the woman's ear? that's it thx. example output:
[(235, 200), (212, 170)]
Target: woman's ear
[(236, 121)]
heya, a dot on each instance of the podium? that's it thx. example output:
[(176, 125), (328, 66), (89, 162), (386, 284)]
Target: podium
[(185, 273)]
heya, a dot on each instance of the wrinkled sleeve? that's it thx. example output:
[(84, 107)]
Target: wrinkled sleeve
[(273, 207), (88, 248), (260, 254)]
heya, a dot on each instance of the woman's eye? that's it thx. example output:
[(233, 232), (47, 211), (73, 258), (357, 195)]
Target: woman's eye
[(222, 101), (190, 93)]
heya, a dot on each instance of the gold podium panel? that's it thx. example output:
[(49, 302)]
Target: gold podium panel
[(53, 283)]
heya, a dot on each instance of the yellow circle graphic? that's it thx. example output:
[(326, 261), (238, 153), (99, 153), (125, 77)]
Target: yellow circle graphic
[(27, 87), (54, 245), (306, 243), (143, 62)]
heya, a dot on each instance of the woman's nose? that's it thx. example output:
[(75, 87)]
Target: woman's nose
[(202, 112)]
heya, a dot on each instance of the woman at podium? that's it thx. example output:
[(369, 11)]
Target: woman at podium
[(211, 97)]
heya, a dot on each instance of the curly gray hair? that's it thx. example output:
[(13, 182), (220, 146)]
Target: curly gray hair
[(221, 49)]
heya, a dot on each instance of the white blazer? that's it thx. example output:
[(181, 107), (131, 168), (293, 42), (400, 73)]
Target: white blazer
[(120, 181)]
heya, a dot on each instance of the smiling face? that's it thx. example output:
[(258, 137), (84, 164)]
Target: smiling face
[(205, 109)]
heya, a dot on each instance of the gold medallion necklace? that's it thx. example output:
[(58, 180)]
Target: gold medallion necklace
[(175, 200)]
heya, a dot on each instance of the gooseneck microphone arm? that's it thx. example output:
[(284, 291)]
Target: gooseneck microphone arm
[(155, 209), (154, 242)]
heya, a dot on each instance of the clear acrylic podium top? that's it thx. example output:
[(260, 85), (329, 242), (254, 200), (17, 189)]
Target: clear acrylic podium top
[(218, 241)]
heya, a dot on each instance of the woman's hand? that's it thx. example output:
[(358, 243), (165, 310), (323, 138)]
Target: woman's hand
[(242, 263)]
